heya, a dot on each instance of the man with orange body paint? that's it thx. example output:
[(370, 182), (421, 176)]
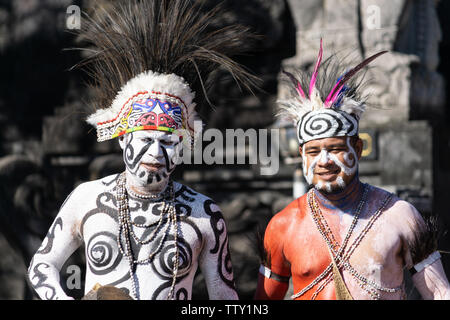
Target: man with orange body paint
[(344, 239)]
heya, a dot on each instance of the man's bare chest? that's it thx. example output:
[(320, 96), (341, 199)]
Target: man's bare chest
[(151, 234), (370, 253)]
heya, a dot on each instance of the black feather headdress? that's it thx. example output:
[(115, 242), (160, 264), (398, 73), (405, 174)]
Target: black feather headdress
[(172, 40)]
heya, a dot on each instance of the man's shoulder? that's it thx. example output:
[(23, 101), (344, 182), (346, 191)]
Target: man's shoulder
[(403, 210), (295, 211), (296, 208), (396, 207), (186, 193), (197, 204), (95, 187), (378, 192)]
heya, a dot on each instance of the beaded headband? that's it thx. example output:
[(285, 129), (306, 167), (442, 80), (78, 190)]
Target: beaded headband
[(150, 101), (336, 115)]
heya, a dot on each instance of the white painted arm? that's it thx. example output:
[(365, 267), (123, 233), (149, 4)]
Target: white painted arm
[(432, 282), (215, 260), (61, 241), (429, 277)]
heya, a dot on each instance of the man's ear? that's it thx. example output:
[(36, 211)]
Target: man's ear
[(300, 149)]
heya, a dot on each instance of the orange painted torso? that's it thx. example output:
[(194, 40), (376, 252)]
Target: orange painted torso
[(307, 251), (297, 249)]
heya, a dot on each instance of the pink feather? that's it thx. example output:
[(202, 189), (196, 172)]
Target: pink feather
[(340, 84), (312, 83), (296, 83), (300, 90)]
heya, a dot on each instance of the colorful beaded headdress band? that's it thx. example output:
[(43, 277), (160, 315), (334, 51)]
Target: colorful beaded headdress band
[(336, 115), (150, 101)]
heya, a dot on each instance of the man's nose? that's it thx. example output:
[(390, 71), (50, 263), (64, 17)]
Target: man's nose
[(155, 149), (324, 158)]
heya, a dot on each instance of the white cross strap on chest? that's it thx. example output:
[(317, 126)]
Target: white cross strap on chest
[(269, 274), (425, 263)]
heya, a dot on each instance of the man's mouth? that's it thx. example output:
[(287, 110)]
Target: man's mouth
[(152, 166), (328, 175)]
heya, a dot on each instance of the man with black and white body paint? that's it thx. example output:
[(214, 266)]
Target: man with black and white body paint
[(142, 232), (90, 216), (343, 239)]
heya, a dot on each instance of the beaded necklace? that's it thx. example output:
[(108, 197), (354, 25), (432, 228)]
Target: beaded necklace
[(126, 231), (324, 229), (342, 258), (145, 196)]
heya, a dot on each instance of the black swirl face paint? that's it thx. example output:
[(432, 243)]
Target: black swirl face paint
[(131, 160), (149, 157), (170, 165)]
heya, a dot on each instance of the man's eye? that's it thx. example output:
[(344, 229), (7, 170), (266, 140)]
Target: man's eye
[(166, 143), (313, 153), (337, 150)]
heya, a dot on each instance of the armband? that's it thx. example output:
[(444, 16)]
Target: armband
[(425, 263), (269, 274)]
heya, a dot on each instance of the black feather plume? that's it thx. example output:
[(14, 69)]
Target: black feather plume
[(258, 243), (425, 240), (125, 38)]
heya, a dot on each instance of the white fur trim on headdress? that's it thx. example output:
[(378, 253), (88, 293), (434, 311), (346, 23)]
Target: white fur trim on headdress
[(153, 84)]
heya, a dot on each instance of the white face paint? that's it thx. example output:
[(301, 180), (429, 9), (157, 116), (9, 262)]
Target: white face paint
[(348, 166), (346, 161), (150, 158)]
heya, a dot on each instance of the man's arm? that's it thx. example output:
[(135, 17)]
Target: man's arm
[(431, 281), (422, 258), (271, 287), (215, 260), (273, 277), (61, 241)]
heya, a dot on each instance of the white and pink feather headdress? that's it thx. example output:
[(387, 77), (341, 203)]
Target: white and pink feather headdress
[(332, 107)]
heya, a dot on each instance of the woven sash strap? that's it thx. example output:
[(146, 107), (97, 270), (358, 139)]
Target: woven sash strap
[(340, 288)]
